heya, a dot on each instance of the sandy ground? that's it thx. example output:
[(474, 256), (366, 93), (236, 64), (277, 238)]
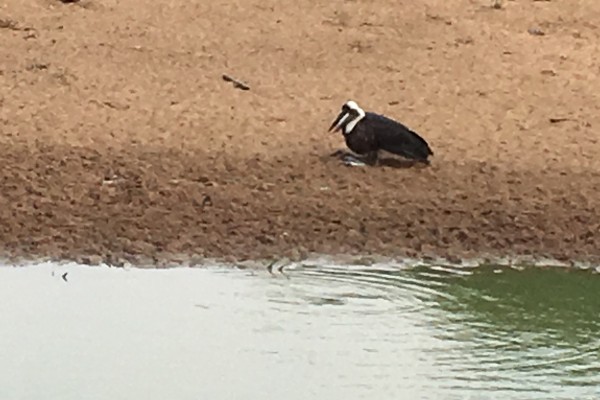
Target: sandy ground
[(120, 140)]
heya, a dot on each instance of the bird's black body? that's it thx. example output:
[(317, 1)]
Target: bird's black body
[(377, 132), (367, 133)]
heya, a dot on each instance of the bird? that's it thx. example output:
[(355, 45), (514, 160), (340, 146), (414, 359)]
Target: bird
[(368, 133)]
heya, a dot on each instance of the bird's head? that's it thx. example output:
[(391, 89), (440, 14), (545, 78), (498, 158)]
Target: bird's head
[(348, 117)]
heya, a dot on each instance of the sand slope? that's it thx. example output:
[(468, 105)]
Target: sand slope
[(120, 140)]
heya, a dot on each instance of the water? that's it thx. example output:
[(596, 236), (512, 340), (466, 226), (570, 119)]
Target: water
[(318, 332)]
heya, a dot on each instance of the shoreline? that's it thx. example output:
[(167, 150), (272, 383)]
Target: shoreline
[(279, 265)]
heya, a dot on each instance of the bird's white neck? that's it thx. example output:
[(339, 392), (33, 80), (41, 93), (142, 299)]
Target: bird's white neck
[(352, 124)]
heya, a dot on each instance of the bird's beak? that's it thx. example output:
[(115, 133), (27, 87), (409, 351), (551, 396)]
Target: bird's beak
[(337, 124)]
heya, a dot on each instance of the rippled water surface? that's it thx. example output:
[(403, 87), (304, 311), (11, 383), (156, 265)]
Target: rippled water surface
[(317, 332)]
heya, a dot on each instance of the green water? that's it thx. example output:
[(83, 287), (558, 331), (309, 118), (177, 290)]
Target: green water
[(316, 332), (532, 333), (535, 325)]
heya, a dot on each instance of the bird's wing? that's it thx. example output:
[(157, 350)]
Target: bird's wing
[(397, 138)]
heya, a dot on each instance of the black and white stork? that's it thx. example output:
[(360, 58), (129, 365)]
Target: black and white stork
[(367, 133)]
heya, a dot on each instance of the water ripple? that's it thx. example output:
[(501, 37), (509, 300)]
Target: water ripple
[(518, 331)]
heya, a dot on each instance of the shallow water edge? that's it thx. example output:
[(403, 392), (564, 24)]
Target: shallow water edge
[(281, 263)]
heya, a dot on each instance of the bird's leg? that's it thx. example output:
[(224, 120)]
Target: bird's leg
[(361, 161), (372, 158), (352, 160)]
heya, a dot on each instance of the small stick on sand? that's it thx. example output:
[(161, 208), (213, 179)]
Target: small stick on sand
[(557, 120), (236, 84)]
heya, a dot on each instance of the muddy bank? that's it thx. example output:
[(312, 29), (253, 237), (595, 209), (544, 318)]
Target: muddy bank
[(119, 139), (141, 203)]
